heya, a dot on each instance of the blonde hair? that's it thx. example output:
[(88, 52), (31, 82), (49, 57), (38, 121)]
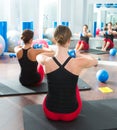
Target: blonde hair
[(62, 34)]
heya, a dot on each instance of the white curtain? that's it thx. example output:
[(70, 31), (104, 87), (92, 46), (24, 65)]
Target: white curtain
[(41, 12)]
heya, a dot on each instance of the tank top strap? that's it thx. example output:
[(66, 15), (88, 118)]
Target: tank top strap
[(58, 63), (26, 49), (67, 60)]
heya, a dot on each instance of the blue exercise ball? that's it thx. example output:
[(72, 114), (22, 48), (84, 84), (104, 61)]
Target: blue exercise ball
[(113, 52), (72, 53), (37, 46), (102, 75)]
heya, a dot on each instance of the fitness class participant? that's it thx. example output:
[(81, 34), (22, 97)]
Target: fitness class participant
[(83, 43), (31, 73), (63, 100), (108, 37)]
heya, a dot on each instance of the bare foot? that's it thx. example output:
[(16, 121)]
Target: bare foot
[(103, 49)]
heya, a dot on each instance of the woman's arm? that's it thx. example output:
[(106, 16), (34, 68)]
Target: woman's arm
[(41, 58), (45, 54), (17, 48), (86, 61), (45, 51), (114, 32), (50, 54), (89, 35), (101, 33)]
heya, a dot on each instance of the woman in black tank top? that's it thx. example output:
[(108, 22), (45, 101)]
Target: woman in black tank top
[(63, 100), (83, 43), (108, 38), (31, 73)]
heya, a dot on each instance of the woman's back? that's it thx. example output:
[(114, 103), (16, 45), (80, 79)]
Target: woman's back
[(62, 89), (28, 74), (31, 74), (63, 100)]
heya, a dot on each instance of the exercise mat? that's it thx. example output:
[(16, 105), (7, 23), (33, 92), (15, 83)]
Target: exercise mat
[(95, 115)]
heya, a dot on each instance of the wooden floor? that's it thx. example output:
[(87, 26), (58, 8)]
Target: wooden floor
[(11, 115)]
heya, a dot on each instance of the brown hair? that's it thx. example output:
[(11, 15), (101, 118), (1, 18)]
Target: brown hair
[(110, 23), (27, 35), (85, 26), (62, 34)]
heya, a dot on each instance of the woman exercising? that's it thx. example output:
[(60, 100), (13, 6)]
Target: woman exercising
[(31, 73), (83, 43), (108, 37), (63, 100)]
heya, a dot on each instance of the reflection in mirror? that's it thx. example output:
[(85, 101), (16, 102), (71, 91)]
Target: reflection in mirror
[(102, 14)]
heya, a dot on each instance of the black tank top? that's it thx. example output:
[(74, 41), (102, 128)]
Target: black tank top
[(61, 95), (85, 39), (29, 74), (109, 36)]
